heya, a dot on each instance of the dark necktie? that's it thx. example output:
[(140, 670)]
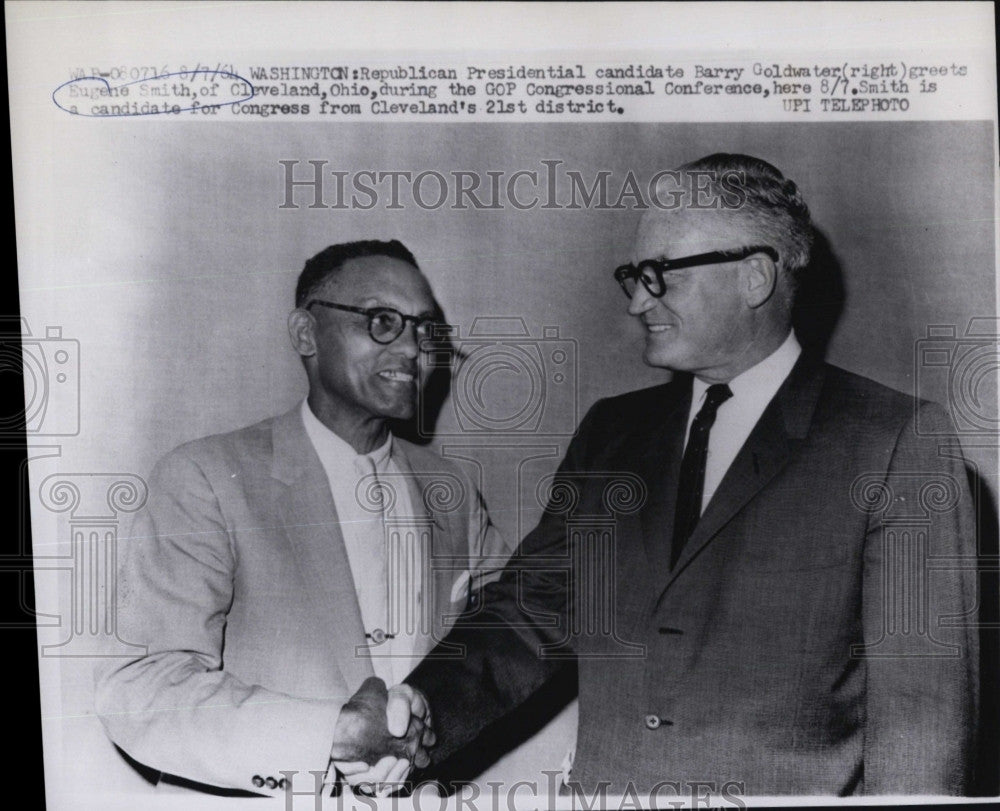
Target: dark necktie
[(692, 478)]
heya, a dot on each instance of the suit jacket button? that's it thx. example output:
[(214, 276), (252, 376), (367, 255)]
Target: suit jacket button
[(258, 781), (652, 722), (271, 782)]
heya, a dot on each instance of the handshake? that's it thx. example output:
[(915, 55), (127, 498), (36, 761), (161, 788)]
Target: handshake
[(380, 735)]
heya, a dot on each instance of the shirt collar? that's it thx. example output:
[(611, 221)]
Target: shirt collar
[(764, 378), (332, 448)]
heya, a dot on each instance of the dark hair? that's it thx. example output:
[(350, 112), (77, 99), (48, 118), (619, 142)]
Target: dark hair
[(329, 260), (770, 204)]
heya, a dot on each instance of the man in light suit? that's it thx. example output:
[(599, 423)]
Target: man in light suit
[(790, 609), (277, 568)]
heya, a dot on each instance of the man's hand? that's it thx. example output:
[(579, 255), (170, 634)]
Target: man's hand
[(380, 733)]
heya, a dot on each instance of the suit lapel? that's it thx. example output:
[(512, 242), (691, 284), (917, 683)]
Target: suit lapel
[(782, 426), (312, 528), (763, 454)]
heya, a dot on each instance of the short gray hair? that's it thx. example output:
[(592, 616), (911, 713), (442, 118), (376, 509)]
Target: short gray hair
[(765, 200)]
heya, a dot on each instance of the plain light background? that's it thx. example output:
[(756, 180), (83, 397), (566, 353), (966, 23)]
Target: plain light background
[(171, 263)]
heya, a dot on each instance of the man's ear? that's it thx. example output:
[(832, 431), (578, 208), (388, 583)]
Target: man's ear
[(301, 331), (760, 279)]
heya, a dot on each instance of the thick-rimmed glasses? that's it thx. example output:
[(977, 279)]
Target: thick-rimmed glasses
[(651, 271), (385, 324)]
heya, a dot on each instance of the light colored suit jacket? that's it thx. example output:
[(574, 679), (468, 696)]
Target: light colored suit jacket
[(817, 635), (236, 578)]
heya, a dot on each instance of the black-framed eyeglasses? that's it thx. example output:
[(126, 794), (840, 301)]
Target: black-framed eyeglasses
[(385, 324), (651, 271)]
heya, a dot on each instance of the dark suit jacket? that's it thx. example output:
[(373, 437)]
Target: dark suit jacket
[(814, 637)]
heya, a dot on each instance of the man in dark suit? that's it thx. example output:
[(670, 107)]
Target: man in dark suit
[(280, 568), (783, 603)]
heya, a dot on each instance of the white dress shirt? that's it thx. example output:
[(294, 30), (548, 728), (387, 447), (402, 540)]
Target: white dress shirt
[(392, 610), (735, 420)]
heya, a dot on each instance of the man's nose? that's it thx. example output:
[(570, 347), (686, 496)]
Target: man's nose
[(407, 342), (641, 300)]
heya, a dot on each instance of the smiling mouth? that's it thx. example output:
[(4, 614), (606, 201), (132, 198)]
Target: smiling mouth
[(658, 327), (397, 376)]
